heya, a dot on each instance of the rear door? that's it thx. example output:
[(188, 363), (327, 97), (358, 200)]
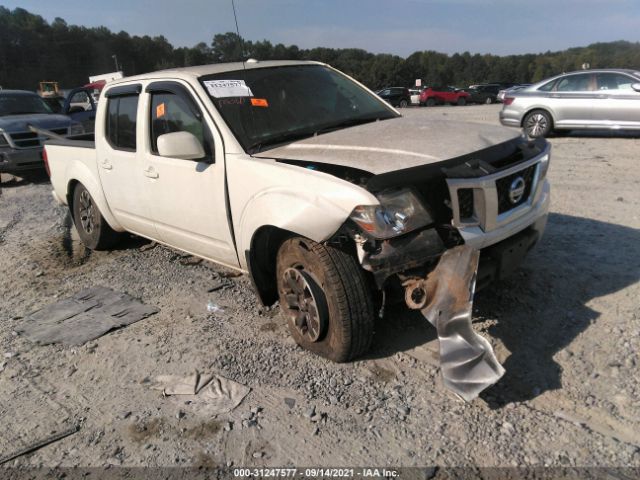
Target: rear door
[(617, 105), (188, 198), (120, 161), (571, 100)]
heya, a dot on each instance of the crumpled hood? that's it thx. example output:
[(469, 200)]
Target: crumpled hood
[(394, 144), (18, 123)]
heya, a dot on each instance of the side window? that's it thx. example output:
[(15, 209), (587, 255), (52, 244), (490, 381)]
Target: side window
[(547, 87), (172, 113), (613, 81), (121, 122), (574, 83)]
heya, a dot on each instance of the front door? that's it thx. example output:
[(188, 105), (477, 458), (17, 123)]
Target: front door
[(618, 105), (187, 197)]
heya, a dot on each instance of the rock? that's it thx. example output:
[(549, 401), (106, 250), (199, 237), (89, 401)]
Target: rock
[(10, 354), (125, 415), (289, 402), (256, 410), (180, 414), (258, 454), (316, 417), (309, 413)]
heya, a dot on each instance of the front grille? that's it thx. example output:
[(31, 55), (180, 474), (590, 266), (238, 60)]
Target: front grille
[(503, 186), (465, 203), (31, 139)]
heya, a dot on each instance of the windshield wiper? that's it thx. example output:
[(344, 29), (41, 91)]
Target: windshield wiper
[(297, 135), (278, 139)]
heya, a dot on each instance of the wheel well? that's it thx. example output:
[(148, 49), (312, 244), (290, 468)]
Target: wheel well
[(537, 110), (261, 261), (70, 189)]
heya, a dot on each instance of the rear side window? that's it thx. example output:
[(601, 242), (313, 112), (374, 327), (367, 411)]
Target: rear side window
[(121, 122), (613, 81), (574, 83)]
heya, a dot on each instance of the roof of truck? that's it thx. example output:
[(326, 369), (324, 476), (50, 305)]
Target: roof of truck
[(202, 70)]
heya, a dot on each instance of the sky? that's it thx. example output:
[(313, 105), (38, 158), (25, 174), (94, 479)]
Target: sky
[(399, 27)]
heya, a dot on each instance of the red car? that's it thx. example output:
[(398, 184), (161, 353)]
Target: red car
[(431, 96)]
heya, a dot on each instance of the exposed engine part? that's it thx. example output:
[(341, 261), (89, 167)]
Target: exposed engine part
[(467, 360)]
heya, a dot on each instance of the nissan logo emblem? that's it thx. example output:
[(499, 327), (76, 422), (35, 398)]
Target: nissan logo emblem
[(516, 190)]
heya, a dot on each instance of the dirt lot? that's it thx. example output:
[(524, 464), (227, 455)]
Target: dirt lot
[(565, 327)]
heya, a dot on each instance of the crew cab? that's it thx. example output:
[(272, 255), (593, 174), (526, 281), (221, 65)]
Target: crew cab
[(326, 200), (435, 95), (20, 147)]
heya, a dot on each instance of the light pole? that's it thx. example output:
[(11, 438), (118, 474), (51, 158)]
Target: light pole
[(115, 59)]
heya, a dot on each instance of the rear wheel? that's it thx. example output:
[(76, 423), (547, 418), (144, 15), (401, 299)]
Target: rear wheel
[(489, 101), (325, 298), (403, 103), (95, 233), (462, 101), (537, 124)]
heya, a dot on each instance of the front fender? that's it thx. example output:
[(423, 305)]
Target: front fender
[(304, 213)]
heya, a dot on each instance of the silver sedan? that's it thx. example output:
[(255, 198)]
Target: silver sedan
[(588, 99)]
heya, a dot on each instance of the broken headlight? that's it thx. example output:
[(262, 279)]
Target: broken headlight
[(399, 212)]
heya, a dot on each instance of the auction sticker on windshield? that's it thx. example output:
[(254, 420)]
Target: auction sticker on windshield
[(227, 88)]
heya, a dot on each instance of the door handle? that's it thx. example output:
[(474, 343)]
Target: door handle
[(106, 165), (151, 172)]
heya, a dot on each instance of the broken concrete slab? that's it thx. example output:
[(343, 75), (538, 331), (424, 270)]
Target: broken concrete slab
[(85, 316)]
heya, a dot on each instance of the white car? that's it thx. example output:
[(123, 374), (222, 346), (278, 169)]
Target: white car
[(301, 177)]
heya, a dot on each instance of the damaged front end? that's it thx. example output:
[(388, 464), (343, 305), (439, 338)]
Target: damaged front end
[(426, 237)]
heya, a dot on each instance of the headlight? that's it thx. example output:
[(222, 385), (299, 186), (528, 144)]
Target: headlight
[(399, 212), (76, 129)]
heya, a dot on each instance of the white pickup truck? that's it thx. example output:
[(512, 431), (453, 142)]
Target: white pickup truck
[(303, 178)]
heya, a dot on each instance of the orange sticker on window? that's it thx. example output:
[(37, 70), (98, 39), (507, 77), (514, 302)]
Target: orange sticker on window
[(259, 102), (160, 110)]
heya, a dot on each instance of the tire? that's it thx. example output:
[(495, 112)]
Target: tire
[(95, 233), (461, 101), (403, 103), (322, 279), (537, 123), (431, 102), (488, 101)]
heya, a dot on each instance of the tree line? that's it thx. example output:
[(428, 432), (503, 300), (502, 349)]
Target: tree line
[(33, 50)]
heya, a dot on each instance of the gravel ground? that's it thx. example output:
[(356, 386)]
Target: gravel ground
[(565, 327)]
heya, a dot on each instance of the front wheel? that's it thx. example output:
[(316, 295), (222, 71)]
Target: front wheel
[(94, 231), (326, 299), (403, 103), (431, 102), (489, 101), (537, 124)]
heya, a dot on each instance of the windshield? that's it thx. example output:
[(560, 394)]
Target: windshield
[(11, 104), (265, 107)]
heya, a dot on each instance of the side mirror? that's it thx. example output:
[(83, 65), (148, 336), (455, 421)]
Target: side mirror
[(183, 145), (636, 86)]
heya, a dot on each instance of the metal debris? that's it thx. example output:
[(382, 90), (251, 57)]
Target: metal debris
[(467, 360)]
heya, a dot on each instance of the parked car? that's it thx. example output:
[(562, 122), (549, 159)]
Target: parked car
[(81, 107), (437, 95), (325, 200), (593, 99), (396, 96), (502, 93), (21, 148), (415, 96), (484, 93)]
